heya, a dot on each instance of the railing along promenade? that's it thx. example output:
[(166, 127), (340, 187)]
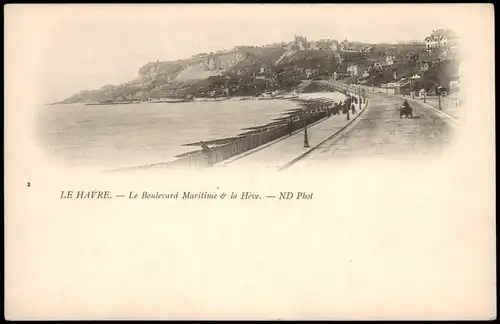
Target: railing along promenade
[(262, 135)]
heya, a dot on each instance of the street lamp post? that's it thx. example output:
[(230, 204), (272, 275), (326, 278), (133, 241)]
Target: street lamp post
[(347, 103), (306, 140), (359, 99), (439, 97)]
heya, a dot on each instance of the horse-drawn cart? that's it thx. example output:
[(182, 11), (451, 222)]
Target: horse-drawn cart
[(405, 110)]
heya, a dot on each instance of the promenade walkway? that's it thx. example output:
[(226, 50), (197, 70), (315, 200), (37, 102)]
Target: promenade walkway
[(449, 106), (449, 109), (380, 133), (279, 153)]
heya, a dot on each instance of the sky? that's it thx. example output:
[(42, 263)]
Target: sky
[(80, 47)]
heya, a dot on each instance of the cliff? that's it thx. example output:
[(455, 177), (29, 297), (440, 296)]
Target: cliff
[(252, 70), (166, 79)]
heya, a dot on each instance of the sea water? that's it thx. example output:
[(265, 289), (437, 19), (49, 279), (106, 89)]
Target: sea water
[(117, 136)]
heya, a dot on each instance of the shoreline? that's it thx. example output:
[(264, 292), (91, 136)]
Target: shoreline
[(242, 98), (289, 95), (292, 94), (309, 102), (306, 101)]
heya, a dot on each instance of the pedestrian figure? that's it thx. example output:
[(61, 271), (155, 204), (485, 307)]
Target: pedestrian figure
[(353, 108), (347, 105), (289, 127), (346, 108)]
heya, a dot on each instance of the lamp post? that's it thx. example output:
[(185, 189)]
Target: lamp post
[(306, 140), (347, 103), (425, 94), (439, 97), (359, 98)]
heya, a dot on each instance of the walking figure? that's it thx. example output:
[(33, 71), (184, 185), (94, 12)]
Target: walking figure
[(289, 128), (346, 107)]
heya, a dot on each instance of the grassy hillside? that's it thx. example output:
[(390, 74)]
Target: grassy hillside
[(243, 76)]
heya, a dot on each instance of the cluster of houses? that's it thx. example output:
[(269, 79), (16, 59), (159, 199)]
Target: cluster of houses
[(301, 43), (354, 47), (439, 44), (441, 40), (355, 69)]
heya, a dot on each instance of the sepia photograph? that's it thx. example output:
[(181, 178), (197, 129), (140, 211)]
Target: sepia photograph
[(249, 161), (304, 95)]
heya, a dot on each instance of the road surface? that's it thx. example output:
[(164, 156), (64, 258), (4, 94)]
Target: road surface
[(380, 132)]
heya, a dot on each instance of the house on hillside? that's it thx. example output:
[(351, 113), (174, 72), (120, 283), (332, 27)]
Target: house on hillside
[(412, 58), (313, 45), (310, 73), (352, 70), (378, 66), (454, 84), (354, 47), (366, 49), (334, 46), (441, 39), (322, 44), (391, 88), (344, 45), (423, 66), (300, 43), (327, 45), (424, 61), (389, 60), (210, 64)]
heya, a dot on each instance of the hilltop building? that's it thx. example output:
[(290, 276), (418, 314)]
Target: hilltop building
[(389, 60), (441, 39), (301, 42), (328, 45), (355, 47)]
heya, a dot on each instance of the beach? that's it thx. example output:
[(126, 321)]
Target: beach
[(117, 136)]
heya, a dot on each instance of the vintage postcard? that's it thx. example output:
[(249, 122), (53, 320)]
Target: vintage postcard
[(250, 161)]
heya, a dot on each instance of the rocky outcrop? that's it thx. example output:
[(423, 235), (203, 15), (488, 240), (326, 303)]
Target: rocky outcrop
[(199, 67), (176, 78)]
